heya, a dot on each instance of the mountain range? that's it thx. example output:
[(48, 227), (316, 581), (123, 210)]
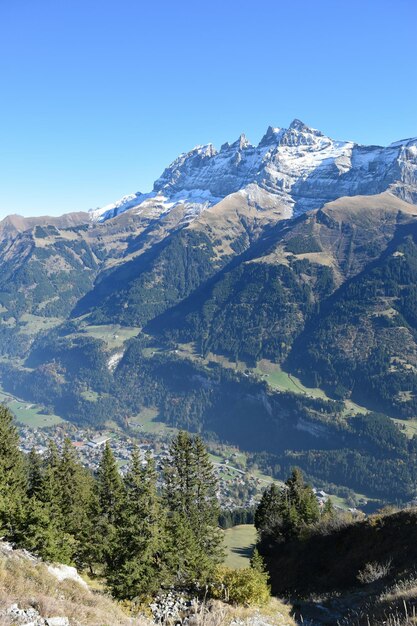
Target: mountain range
[(291, 170), (264, 295)]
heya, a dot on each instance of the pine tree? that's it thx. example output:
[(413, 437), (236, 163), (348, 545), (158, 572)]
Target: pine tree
[(48, 527), (185, 561), (68, 480), (109, 486), (268, 514), (285, 513), (43, 534), (190, 495), (50, 491), (42, 528), (302, 498), (300, 508), (206, 504), (52, 455), (35, 473), (75, 493), (12, 476), (179, 475), (74, 487), (328, 512), (106, 505), (257, 562), (136, 569), (94, 539)]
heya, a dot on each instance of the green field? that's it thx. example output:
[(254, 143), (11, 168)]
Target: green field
[(240, 542), (146, 422), (408, 427), (113, 335), (283, 381), (33, 324), (215, 458), (278, 379), (352, 407), (91, 396), (27, 413)]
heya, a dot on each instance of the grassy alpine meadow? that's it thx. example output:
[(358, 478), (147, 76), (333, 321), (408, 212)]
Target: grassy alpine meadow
[(113, 335), (239, 542), (27, 413)]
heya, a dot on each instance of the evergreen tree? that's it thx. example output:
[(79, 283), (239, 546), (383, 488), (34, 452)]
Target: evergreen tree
[(95, 542), (268, 514), (190, 495), (328, 512), (109, 485), (43, 534), (284, 514), (301, 499), (299, 506), (180, 476), (257, 562), (12, 476), (68, 475), (35, 473), (52, 455), (49, 492), (75, 493), (56, 511), (136, 568), (186, 563), (206, 504), (105, 507)]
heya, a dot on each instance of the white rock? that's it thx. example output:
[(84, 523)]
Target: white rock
[(66, 572), (57, 621)]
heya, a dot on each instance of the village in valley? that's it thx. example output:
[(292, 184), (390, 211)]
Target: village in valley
[(239, 487)]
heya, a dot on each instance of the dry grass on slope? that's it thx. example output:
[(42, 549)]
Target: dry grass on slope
[(29, 584), (275, 613)]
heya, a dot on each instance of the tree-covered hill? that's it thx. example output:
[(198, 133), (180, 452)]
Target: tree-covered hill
[(328, 295), (363, 342)]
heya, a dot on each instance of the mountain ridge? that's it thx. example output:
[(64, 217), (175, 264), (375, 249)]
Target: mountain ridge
[(291, 167)]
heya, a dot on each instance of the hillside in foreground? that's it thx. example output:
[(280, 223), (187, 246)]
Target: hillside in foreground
[(33, 592), (352, 573), (30, 592)]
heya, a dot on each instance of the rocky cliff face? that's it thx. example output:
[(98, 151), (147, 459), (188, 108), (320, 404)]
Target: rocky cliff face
[(297, 169)]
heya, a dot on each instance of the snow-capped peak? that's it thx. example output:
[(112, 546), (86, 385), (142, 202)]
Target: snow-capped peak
[(240, 143), (272, 136), (297, 124), (299, 167)]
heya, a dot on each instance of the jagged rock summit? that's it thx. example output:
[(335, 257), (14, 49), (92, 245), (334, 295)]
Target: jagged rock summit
[(294, 169)]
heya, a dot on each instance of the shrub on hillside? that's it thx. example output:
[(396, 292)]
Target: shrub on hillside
[(246, 587), (329, 525), (373, 572)]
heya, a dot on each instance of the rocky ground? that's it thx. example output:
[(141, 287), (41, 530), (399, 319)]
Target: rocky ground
[(30, 617), (33, 593)]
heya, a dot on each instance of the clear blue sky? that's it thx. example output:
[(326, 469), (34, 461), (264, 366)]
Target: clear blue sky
[(98, 96)]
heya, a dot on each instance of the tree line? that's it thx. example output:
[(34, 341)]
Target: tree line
[(138, 531), (285, 513)]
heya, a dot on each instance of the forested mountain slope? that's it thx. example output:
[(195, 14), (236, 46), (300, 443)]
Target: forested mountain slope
[(185, 309)]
